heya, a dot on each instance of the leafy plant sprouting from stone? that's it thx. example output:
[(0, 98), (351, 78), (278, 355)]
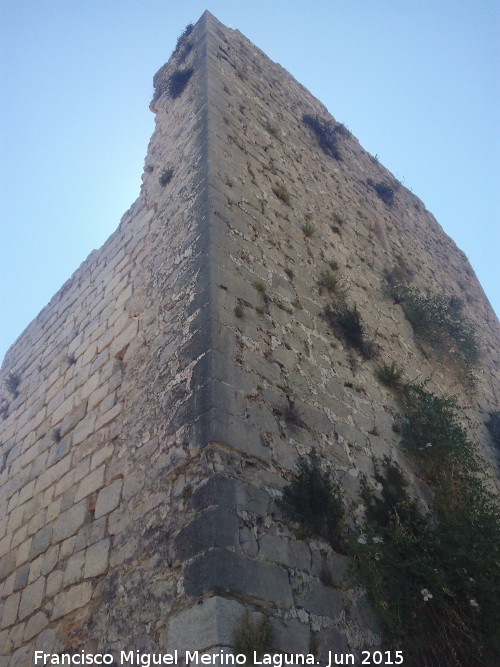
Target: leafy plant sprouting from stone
[(282, 193), (333, 283), (345, 320), (308, 228), (327, 134), (291, 414), (12, 381), (493, 426), (389, 374), (166, 176), (313, 501), (252, 638), (238, 311), (177, 81), (55, 435), (438, 320), (433, 576), (399, 273), (384, 190), (272, 129), (261, 288), (183, 46)]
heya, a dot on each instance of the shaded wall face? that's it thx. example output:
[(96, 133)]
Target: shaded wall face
[(96, 439), (148, 445)]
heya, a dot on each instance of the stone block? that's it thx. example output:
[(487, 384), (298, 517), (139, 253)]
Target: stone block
[(332, 565), (89, 533), (74, 568), (321, 600), (90, 483), (229, 492), (210, 623), (41, 541), (23, 552), (108, 416), (221, 570), (21, 577), (35, 625), (96, 559), (31, 598), (7, 564), (50, 560), (54, 582), (332, 640), (35, 569), (288, 552), (10, 608), (69, 522), (83, 429), (290, 636), (108, 498), (216, 527), (71, 599)]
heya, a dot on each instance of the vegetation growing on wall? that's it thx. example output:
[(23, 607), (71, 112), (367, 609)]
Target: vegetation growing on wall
[(438, 321), (183, 46), (327, 133), (493, 426), (282, 193), (177, 81), (252, 637), (345, 320), (433, 577), (12, 381), (313, 501), (389, 374), (166, 176), (385, 191)]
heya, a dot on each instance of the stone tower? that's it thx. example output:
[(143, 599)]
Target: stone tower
[(156, 408)]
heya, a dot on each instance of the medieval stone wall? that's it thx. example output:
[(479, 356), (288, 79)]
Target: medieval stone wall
[(146, 449)]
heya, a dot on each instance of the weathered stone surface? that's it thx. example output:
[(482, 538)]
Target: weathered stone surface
[(69, 522), (293, 553), (108, 498), (331, 566), (291, 636), (31, 598), (96, 559), (321, 600), (74, 568), (41, 541), (71, 599), (332, 640), (210, 623), (221, 570), (230, 492), (216, 527), (10, 608), (35, 625)]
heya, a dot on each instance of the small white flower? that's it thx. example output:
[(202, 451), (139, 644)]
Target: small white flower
[(362, 539), (474, 603), (427, 595), (378, 540), (428, 444)]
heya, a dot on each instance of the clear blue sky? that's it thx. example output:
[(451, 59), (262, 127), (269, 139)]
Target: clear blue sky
[(415, 80)]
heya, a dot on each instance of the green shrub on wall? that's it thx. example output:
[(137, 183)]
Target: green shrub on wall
[(313, 501), (439, 322), (433, 576)]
